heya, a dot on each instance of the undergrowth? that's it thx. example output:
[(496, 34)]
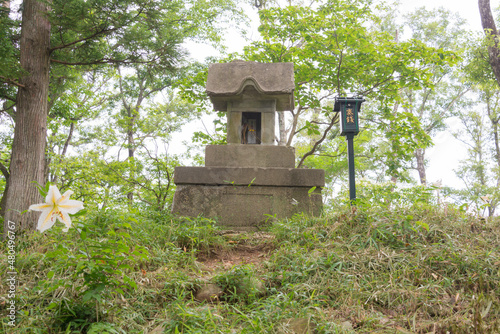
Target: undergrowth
[(398, 262)]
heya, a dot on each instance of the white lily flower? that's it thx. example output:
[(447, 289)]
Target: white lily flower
[(56, 207)]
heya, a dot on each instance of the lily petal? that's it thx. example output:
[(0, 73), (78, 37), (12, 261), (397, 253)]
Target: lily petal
[(71, 206), (46, 220), (41, 207), (66, 196), (64, 218), (53, 195)]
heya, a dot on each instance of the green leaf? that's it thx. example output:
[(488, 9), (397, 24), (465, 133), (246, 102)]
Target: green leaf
[(425, 226), (51, 306), (83, 233), (310, 191)]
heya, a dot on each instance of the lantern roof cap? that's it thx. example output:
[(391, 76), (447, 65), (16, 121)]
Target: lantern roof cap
[(248, 79)]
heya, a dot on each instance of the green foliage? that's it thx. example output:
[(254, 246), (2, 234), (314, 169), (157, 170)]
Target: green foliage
[(73, 315), (336, 273), (9, 58), (391, 221), (479, 170), (192, 89), (338, 48), (102, 263), (334, 51), (400, 260), (145, 40), (93, 32), (194, 234), (104, 328), (219, 136), (184, 319), (90, 176), (392, 245), (240, 284), (403, 134)]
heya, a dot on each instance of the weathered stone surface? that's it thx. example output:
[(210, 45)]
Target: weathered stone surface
[(278, 177), (228, 78), (268, 124), (347, 325), (253, 105), (297, 326), (234, 127), (273, 81), (209, 292), (243, 207), (251, 286), (239, 155)]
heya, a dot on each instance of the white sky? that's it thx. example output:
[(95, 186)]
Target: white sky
[(447, 151)]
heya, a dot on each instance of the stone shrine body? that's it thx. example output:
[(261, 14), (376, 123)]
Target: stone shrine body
[(250, 179)]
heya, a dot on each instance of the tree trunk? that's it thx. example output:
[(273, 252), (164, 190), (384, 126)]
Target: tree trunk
[(494, 119), (131, 149), (497, 147), (6, 174), (295, 121), (30, 131), (490, 29), (420, 156), (65, 147)]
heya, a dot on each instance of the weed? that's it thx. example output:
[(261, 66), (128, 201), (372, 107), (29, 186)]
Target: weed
[(398, 263)]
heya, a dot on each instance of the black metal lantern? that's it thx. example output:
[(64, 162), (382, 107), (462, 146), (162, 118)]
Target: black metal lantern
[(349, 127), (349, 108)]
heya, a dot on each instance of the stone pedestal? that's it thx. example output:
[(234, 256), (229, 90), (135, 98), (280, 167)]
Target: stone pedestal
[(244, 185)]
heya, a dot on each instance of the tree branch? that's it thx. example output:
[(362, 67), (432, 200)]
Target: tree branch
[(12, 82), (103, 61), (100, 32), (315, 147), (4, 171)]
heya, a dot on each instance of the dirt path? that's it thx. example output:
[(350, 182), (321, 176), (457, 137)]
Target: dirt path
[(245, 249)]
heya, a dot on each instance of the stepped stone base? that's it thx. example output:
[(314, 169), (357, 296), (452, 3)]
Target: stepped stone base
[(277, 177), (244, 185), (235, 155), (243, 207)]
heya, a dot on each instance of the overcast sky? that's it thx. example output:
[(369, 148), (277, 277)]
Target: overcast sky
[(467, 9)]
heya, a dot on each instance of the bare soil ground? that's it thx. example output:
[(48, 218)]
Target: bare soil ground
[(246, 249)]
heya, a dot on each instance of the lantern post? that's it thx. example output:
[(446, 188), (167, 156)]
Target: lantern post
[(349, 127)]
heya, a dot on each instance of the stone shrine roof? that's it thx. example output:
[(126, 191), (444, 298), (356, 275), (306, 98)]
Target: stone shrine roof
[(240, 80)]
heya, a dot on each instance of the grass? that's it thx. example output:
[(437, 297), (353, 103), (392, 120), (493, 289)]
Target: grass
[(382, 268)]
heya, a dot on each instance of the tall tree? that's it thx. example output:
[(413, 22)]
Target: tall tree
[(433, 104), (28, 148), (481, 170), (141, 119), (490, 29), (86, 33), (477, 171)]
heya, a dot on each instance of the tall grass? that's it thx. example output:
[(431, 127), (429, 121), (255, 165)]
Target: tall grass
[(397, 263)]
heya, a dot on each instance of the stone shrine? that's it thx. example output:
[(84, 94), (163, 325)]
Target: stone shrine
[(250, 179)]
